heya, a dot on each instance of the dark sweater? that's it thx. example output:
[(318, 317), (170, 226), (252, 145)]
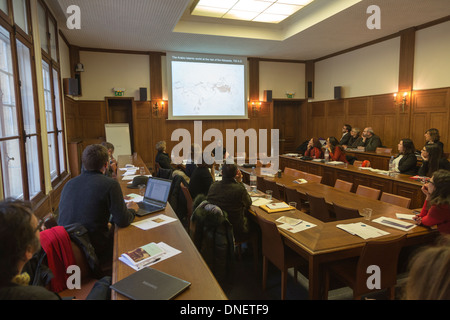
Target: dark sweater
[(200, 182), (163, 159), (16, 292), (93, 200), (408, 164)]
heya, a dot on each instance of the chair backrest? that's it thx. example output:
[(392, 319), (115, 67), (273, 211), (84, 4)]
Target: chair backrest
[(295, 173), (272, 243), (189, 203), (368, 192), (260, 184), (292, 195), (343, 213), (357, 163), (318, 208), (156, 171), (272, 185), (395, 199), (383, 150), (383, 254), (313, 178), (343, 185)]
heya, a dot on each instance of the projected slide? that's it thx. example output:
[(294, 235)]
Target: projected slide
[(205, 87)]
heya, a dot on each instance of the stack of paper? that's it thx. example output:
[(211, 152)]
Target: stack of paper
[(394, 223), (167, 252), (153, 222), (133, 197), (300, 181), (258, 201), (362, 230), (294, 225)]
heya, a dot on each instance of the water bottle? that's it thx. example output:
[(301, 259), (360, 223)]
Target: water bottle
[(253, 180), (327, 155), (391, 167)]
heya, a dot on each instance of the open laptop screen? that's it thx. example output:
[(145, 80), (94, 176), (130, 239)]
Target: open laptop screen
[(157, 189)]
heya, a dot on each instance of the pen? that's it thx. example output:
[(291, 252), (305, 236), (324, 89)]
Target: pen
[(150, 262)]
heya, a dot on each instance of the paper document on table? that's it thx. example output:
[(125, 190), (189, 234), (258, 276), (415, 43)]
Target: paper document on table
[(394, 223), (153, 222), (133, 197), (405, 216), (258, 201), (294, 225), (168, 253), (129, 167), (362, 230), (278, 205)]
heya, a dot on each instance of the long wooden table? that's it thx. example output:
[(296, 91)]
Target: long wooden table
[(187, 265), (400, 184), (325, 242)]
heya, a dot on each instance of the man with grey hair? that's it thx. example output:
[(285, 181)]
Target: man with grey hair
[(370, 140)]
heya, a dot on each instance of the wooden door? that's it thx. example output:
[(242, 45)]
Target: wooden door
[(286, 118)]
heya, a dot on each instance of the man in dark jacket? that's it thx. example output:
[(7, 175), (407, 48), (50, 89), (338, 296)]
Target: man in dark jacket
[(370, 140), (93, 200), (232, 197)]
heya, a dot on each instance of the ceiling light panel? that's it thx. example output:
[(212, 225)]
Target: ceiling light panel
[(270, 11)]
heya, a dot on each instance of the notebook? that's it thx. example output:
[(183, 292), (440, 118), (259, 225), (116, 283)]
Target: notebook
[(150, 284), (155, 197)]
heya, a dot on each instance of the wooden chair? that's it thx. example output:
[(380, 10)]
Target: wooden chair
[(368, 192), (395, 199), (313, 178), (353, 272), (318, 208), (292, 195), (357, 163), (260, 184), (157, 167), (295, 173), (189, 203), (272, 185), (275, 251), (343, 185), (343, 213), (383, 150)]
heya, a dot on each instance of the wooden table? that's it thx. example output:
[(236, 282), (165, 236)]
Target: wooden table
[(325, 242), (400, 184), (188, 265)]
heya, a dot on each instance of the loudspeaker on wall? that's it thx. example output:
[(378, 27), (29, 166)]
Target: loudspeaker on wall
[(267, 95), (337, 92), (143, 94), (310, 89)]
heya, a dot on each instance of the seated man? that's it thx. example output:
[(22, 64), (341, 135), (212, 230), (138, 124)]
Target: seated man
[(19, 241), (232, 197), (93, 200), (346, 129), (369, 140)]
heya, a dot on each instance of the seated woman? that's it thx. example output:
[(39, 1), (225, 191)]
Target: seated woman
[(162, 157), (432, 160), (436, 209), (355, 136), (314, 149), (406, 160), (335, 150), (432, 136), (201, 179)]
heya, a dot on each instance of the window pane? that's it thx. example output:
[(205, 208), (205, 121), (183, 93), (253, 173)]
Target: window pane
[(53, 35), (26, 90), (62, 163), (57, 100), (4, 6), (11, 169), (31, 146), (8, 112), (20, 14), (47, 96), (52, 155), (42, 27)]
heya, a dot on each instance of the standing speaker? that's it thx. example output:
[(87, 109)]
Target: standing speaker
[(267, 95), (310, 89), (337, 92), (143, 94)]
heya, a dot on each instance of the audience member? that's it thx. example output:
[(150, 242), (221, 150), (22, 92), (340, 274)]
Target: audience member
[(192, 163), (436, 209), (219, 150), (336, 151), (406, 161), (19, 241), (355, 138), (369, 140), (314, 149), (432, 160), (346, 129), (201, 179), (232, 197), (432, 136), (112, 164), (94, 200), (429, 273), (162, 158)]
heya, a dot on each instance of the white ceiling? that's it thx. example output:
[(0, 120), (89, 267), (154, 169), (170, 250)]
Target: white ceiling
[(165, 25)]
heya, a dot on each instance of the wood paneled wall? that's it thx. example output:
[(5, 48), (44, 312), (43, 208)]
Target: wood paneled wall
[(425, 109)]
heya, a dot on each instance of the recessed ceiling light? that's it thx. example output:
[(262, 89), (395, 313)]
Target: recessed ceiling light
[(271, 11)]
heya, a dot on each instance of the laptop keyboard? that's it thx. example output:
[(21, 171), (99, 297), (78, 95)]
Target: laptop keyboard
[(148, 207)]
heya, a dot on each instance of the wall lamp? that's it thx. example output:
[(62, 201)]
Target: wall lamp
[(402, 102), (157, 108), (256, 106)]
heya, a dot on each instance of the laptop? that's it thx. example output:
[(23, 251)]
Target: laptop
[(155, 197), (150, 284)]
